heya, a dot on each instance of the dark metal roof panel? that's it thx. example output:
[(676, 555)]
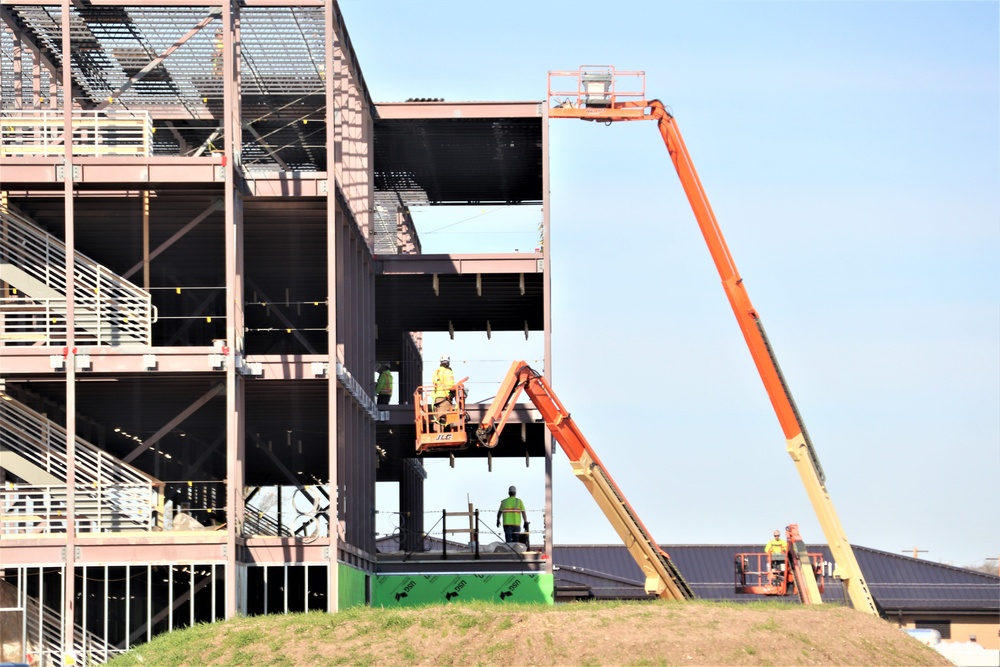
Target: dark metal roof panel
[(896, 582), (901, 582)]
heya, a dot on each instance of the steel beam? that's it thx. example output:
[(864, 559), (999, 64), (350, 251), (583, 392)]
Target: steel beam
[(454, 110), (176, 421), (389, 265), (166, 3), (287, 184), (215, 206), (148, 171)]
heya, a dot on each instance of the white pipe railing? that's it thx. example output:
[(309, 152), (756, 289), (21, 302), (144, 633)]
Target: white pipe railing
[(114, 494), (95, 133), (109, 310), (41, 510)]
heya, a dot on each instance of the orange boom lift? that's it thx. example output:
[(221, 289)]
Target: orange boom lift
[(602, 94), (437, 431), (662, 576)]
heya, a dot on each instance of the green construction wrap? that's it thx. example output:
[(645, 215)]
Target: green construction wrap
[(397, 590), (350, 586)]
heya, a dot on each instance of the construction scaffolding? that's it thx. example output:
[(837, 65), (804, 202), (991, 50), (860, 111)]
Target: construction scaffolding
[(206, 244)]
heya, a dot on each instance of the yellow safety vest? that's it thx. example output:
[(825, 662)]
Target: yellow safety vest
[(444, 382), (511, 506), (776, 546)]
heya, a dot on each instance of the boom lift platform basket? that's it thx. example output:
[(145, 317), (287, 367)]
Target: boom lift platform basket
[(441, 429), (795, 571)]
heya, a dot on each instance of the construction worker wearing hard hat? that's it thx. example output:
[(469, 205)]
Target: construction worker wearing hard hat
[(511, 512), (444, 386), (776, 550), (383, 387)]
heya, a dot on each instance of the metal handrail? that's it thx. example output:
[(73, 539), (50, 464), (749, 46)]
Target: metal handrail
[(111, 483), (38, 132), (108, 310), (30, 510)]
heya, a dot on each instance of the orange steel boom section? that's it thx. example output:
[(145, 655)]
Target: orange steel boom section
[(598, 97), (662, 577)]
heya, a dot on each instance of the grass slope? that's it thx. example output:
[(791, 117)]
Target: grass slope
[(606, 633)]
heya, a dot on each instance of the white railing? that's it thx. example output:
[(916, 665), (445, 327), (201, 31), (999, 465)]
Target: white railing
[(40, 636), (41, 510), (257, 522), (108, 309), (111, 495), (95, 133), (98, 321)]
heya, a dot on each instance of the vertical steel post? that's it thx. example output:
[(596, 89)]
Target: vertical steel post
[(331, 73), (547, 325), (128, 605), (476, 536), (69, 585)]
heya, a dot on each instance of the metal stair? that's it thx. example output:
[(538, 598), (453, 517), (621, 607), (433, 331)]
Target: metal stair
[(108, 310), (40, 641), (110, 494)]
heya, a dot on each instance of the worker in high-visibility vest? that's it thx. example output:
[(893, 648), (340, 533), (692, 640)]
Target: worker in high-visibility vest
[(383, 387), (444, 386), (510, 513), (776, 550)]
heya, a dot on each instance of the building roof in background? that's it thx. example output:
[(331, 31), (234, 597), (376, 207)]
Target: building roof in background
[(898, 583)]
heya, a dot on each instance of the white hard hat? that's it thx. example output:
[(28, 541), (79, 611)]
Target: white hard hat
[(445, 359), (512, 490)]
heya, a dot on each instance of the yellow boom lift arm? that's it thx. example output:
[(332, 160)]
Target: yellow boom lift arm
[(662, 576), (600, 96)]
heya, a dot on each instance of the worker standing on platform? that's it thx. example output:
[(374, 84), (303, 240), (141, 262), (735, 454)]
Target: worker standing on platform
[(511, 512), (383, 388), (444, 386), (776, 550)]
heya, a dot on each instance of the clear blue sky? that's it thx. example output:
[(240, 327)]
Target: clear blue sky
[(850, 151)]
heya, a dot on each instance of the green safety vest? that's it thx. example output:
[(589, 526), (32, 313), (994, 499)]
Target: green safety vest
[(384, 385), (511, 506)]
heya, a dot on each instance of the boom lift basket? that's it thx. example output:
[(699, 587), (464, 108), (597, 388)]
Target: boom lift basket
[(778, 573), (440, 430), (592, 89)]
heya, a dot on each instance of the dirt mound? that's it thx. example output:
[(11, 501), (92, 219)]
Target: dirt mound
[(647, 633)]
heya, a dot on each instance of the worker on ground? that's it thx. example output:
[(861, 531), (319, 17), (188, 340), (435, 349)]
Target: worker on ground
[(383, 388), (444, 387), (510, 513), (776, 550)]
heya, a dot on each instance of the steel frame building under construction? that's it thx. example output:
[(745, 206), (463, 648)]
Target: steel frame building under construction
[(205, 247)]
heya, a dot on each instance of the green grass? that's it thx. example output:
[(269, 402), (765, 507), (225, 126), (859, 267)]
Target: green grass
[(770, 625)]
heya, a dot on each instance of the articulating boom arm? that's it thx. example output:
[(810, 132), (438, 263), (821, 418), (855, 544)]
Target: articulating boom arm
[(599, 98), (662, 576)]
